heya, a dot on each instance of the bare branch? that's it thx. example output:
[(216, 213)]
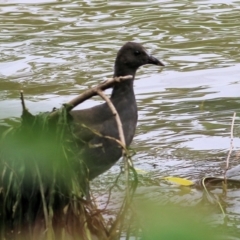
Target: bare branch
[(22, 101), (127, 165), (231, 146), (92, 92), (104, 136), (116, 115)]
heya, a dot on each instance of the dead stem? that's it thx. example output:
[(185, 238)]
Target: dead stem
[(116, 115), (104, 136), (126, 201), (22, 101), (92, 92), (231, 147)]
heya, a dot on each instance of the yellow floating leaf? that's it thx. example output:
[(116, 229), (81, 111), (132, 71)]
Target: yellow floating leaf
[(180, 181), (140, 171)]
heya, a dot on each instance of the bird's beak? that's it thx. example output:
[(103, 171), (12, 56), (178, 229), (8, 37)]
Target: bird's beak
[(155, 61)]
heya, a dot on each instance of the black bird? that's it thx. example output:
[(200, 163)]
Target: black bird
[(99, 153)]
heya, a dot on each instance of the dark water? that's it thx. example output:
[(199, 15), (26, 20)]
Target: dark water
[(53, 50)]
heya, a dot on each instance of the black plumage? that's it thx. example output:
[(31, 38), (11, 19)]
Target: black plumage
[(100, 153)]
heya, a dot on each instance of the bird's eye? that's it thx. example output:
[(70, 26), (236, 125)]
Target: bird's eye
[(136, 53)]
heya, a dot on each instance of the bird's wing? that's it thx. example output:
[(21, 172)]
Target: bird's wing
[(90, 122)]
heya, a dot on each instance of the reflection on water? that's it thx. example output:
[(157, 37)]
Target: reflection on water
[(55, 49)]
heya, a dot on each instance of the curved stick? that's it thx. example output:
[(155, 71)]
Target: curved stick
[(92, 92)]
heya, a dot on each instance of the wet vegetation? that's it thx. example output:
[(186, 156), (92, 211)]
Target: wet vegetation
[(45, 191)]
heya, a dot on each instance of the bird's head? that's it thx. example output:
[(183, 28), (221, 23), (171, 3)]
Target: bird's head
[(130, 57)]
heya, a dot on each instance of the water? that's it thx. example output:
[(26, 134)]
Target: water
[(53, 50)]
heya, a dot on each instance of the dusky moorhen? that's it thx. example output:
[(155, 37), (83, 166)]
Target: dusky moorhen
[(99, 153)]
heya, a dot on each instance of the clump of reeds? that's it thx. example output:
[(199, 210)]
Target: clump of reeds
[(44, 188)]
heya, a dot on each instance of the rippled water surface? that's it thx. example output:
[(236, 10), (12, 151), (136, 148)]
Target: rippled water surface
[(53, 50)]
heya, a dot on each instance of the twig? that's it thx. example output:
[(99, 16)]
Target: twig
[(26, 115), (121, 213), (127, 163), (121, 136), (92, 92), (22, 101), (116, 115), (103, 136), (111, 188), (210, 198), (231, 147)]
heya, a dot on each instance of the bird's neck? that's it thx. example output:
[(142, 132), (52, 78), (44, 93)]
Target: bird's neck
[(124, 88), (123, 98)]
